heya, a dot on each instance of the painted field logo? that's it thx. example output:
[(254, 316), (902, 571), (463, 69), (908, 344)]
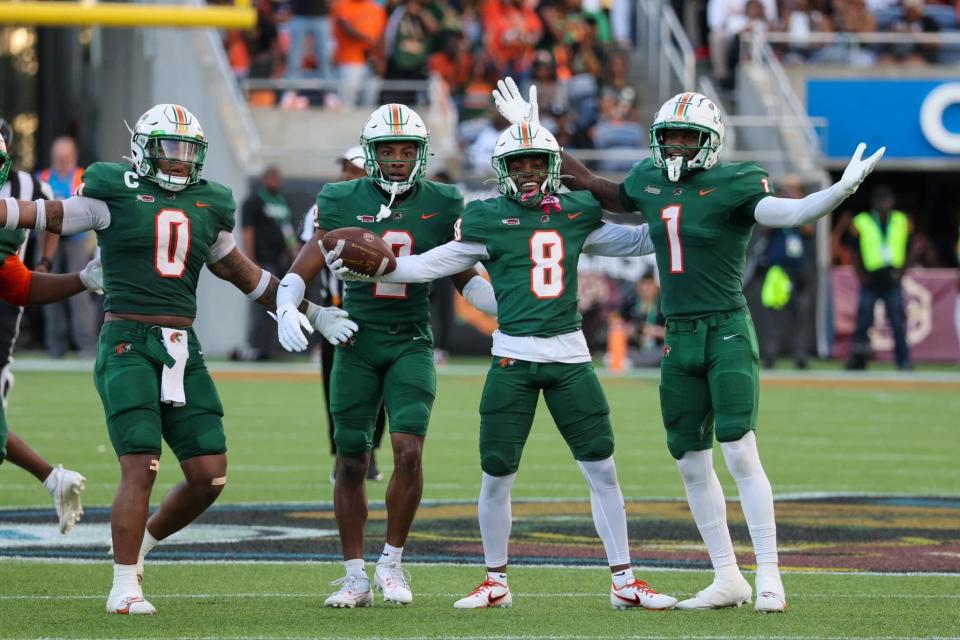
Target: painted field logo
[(883, 534)]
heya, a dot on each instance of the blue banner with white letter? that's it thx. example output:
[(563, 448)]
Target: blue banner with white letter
[(914, 119)]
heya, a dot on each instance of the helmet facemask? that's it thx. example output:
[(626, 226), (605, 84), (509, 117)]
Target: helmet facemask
[(372, 163), (689, 158), (182, 155)]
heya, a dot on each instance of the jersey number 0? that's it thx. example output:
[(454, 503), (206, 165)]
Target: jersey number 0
[(172, 243)]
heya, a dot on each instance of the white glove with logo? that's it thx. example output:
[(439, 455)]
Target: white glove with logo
[(333, 323), (291, 325), (92, 276), (511, 104), (858, 168), (335, 262)]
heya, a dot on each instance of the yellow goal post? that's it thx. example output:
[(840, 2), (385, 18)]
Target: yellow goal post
[(60, 13)]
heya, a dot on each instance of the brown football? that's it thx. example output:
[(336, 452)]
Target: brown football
[(362, 251)]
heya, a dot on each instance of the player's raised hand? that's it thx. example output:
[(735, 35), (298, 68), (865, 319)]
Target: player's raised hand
[(858, 168), (92, 276), (291, 325), (511, 104), (334, 324)]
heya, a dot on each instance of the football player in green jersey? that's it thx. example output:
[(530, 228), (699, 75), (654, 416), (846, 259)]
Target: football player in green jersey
[(701, 214), (157, 224), (391, 358), (530, 240)]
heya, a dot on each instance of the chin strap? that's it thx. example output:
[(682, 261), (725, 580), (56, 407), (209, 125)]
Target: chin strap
[(385, 211)]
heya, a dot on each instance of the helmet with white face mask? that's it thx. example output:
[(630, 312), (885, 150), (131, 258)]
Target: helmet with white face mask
[(693, 112), (168, 134), (526, 138)]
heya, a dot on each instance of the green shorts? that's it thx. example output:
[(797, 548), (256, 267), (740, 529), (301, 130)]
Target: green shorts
[(392, 364), (130, 357), (575, 400), (709, 380)]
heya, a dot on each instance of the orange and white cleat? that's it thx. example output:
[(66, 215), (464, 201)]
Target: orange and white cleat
[(638, 593), (354, 592), (490, 593), (129, 604)]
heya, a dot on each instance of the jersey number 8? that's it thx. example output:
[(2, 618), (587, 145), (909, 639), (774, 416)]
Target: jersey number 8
[(546, 253)]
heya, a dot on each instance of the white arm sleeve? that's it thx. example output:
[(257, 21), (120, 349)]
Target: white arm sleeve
[(790, 212), (223, 245), (309, 225), (619, 241), (439, 262), (479, 293), (83, 214)]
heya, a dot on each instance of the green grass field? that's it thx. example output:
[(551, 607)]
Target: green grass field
[(817, 435)]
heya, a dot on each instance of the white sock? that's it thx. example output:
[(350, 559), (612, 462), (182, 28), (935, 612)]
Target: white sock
[(768, 578), (621, 578), (390, 554), (756, 496), (493, 511), (125, 578), (149, 542), (496, 576), (708, 507), (355, 568), (609, 512)]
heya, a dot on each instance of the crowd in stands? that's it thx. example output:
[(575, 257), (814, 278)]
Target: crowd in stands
[(803, 20), (376, 51)]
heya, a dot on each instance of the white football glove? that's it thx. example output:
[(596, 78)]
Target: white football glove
[(333, 323), (335, 262), (858, 168), (511, 104), (92, 276), (291, 325)]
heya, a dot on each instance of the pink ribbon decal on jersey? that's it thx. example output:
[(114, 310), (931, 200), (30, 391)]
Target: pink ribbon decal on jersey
[(550, 201)]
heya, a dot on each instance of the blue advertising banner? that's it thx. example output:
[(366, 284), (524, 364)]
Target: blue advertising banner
[(917, 119)]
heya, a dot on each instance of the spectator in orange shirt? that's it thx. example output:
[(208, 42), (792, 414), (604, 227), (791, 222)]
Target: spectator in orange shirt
[(453, 63), (513, 30), (358, 27)]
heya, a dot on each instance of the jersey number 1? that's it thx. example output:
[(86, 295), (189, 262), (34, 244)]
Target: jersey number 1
[(546, 252), (173, 243), (401, 243), (671, 218)]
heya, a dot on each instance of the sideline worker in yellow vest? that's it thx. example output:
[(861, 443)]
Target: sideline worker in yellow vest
[(880, 238)]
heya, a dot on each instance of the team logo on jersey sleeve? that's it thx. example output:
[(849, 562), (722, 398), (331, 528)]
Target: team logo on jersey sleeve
[(545, 218), (677, 191)]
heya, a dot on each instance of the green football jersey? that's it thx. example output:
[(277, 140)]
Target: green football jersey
[(157, 241), (700, 227), (421, 221), (533, 259), (10, 242)]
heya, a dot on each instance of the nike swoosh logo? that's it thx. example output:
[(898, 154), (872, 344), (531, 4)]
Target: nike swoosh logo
[(427, 216), (704, 192), (202, 205), (635, 599), (284, 284), (574, 215), (728, 337), (491, 599)]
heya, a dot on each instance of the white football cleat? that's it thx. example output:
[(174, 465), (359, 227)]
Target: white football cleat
[(771, 596), (129, 604), (354, 592), (394, 581), (66, 496), (490, 593), (729, 593), (638, 593)]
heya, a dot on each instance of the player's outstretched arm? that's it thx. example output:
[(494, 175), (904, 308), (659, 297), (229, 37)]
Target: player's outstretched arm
[(790, 212), (446, 260), (577, 177), (293, 318), (619, 241), (53, 287), (64, 217)]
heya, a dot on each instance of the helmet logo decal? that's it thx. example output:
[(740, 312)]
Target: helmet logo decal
[(526, 139), (396, 119), (682, 104), (181, 119)]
